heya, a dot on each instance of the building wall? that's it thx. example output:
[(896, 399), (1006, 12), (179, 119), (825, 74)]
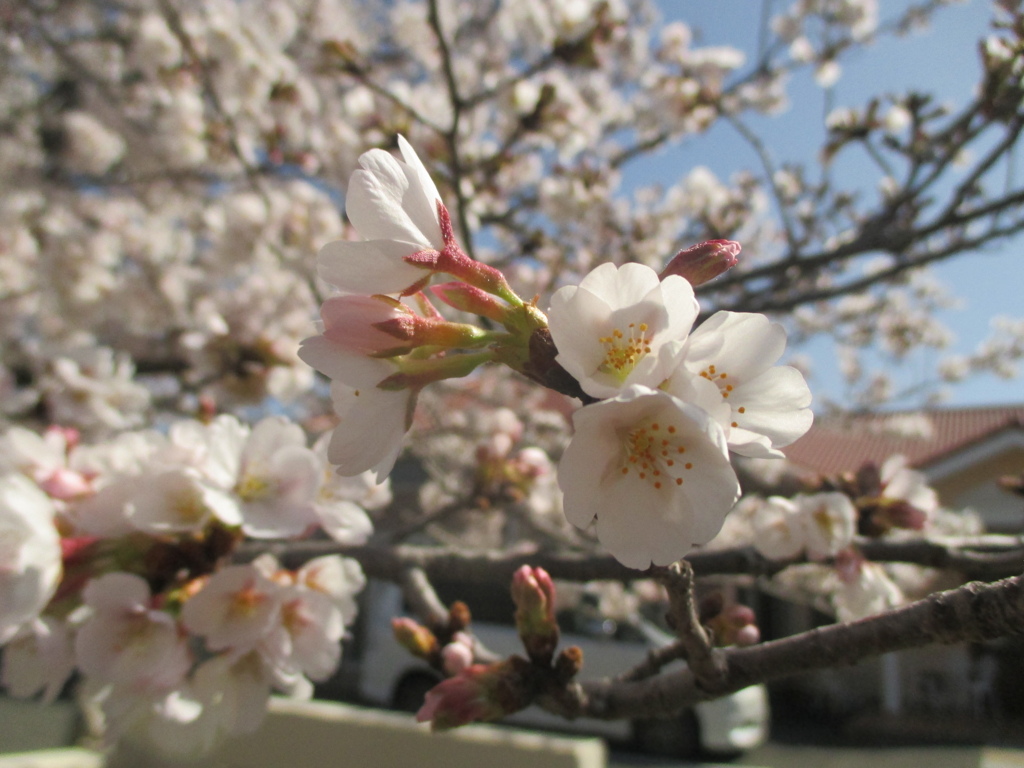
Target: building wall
[(976, 486)]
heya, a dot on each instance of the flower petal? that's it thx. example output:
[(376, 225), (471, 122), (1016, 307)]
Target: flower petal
[(373, 425), (370, 266)]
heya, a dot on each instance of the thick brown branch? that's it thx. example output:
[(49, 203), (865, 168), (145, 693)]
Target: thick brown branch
[(972, 613)]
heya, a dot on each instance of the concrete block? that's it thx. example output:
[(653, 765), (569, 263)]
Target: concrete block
[(327, 733), (320, 733), (72, 757), (30, 725)]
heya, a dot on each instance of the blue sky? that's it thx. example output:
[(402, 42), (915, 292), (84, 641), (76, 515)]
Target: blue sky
[(942, 59)]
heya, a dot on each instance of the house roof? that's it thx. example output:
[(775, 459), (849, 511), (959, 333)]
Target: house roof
[(845, 442)]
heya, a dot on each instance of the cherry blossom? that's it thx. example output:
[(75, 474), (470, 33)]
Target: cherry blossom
[(865, 591), (235, 609), (278, 481), (778, 530), (127, 642), (621, 326), (38, 660), (340, 578), (654, 472), (315, 628), (901, 483), (730, 359), (829, 522), (30, 554), (176, 501)]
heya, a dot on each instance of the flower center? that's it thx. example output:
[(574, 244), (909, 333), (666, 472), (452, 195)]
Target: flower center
[(188, 507), (725, 387), (824, 521), (655, 452), (253, 487), (623, 350), (246, 602)]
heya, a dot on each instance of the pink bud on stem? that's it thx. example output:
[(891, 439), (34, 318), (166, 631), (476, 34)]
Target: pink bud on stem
[(704, 261), (534, 594), (479, 693)]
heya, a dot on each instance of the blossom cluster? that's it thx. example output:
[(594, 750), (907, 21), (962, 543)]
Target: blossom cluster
[(650, 456), (117, 565), (173, 163), (823, 529)]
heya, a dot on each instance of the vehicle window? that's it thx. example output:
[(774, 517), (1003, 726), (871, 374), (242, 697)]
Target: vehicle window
[(487, 602)]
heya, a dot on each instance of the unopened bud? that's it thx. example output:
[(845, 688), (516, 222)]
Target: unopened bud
[(458, 616), (569, 663), (735, 625), (704, 261), (458, 654), (534, 595), (881, 515), (415, 638), (479, 693)]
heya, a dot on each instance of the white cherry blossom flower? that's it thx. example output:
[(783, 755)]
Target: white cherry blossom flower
[(653, 470), (830, 522), (236, 607), (30, 553), (315, 628), (125, 641), (178, 501), (867, 592), (900, 482), (621, 326), (340, 578), (779, 532), (731, 358), (393, 204), (278, 481)]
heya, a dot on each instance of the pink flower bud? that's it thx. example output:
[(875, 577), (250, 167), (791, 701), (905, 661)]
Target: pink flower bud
[(479, 693), (534, 594), (353, 322), (748, 635), (735, 625), (458, 654), (704, 261), (66, 484), (848, 564), (903, 514)]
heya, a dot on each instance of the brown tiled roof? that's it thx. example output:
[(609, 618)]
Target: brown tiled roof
[(845, 442)]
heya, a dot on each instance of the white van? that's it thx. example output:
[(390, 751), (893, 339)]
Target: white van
[(389, 676)]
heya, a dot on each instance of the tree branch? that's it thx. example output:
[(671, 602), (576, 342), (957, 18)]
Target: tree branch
[(973, 613)]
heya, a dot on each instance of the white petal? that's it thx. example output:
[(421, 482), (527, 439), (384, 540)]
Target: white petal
[(775, 405), (681, 303), (422, 198), (373, 425), (577, 320), (621, 286), (633, 528), (370, 266), (345, 522), (373, 200), (339, 364), (750, 344)]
